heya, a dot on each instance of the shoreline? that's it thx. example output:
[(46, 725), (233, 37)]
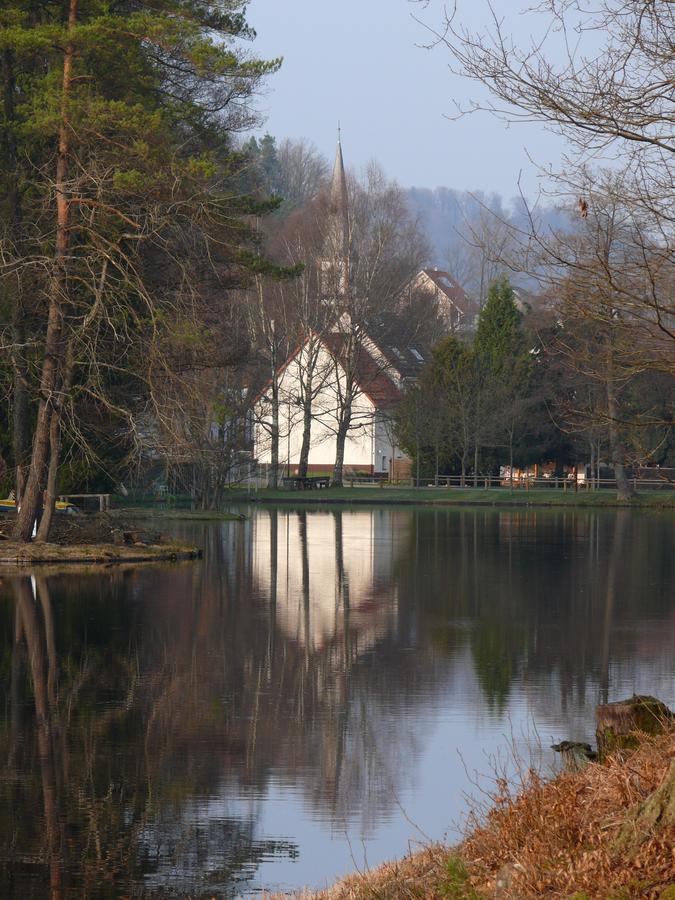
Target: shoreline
[(185, 515), (445, 497), (604, 830), (19, 556)]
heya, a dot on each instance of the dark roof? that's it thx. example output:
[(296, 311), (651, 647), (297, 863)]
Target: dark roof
[(406, 349), (407, 358)]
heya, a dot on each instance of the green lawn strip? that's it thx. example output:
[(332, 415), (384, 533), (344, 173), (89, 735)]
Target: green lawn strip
[(455, 497)]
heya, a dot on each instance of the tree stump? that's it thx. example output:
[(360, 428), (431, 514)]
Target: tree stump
[(620, 724)]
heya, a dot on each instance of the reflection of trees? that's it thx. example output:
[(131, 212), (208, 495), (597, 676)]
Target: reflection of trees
[(38, 631), (340, 743), (175, 691), (547, 599), (120, 749), (148, 711)]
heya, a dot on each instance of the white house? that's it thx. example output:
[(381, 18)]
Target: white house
[(456, 308)]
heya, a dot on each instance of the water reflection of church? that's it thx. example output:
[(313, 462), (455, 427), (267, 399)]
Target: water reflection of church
[(330, 576)]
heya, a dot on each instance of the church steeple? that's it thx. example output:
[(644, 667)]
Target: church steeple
[(339, 211)]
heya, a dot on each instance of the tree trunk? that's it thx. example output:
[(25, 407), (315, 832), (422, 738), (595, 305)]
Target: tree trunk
[(657, 813), (55, 451), (20, 409), (344, 421), (597, 464), (340, 440), (273, 480), (511, 459), (620, 724), (52, 476), (54, 350), (303, 463), (475, 465), (624, 490)]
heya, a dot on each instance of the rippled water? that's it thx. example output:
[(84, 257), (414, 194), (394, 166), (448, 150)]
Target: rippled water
[(312, 697)]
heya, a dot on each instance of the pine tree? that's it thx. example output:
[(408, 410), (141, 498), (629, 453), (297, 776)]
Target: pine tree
[(118, 123), (504, 366), (499, 335)]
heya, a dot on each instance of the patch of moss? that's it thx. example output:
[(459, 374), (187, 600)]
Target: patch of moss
[(456, 884), (668, 893), (638, 888)]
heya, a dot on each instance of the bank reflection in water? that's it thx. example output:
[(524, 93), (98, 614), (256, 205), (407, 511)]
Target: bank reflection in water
[(152, 718)]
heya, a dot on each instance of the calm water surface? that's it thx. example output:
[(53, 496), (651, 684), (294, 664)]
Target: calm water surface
[(314, 695)]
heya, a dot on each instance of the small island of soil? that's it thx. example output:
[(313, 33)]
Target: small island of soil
[(92, 538)]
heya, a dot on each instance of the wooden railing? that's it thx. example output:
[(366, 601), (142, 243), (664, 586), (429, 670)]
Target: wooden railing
[(102, 499), (517, 484)]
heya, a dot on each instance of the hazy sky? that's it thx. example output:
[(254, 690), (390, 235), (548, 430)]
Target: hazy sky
[(361, 61)]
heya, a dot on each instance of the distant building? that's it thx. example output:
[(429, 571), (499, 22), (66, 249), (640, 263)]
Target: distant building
[(457, 310)]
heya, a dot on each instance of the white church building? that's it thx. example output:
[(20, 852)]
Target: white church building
[(345, 363), (370, 445)]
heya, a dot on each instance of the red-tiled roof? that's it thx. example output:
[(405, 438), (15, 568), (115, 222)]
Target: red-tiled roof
[(371, 375)]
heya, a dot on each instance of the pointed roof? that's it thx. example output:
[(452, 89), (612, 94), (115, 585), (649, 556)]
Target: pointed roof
[(339, 200), (445, 284), (338, 188)]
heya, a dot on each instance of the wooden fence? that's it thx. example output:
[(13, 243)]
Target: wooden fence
[(102, 500), (517, 484)]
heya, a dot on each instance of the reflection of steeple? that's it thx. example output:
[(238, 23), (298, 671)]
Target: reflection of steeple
[(337, 244)]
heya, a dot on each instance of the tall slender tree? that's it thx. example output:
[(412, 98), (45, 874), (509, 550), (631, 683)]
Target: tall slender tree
[(124, 125)]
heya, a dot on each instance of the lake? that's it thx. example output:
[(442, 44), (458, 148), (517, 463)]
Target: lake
[(320, 693)]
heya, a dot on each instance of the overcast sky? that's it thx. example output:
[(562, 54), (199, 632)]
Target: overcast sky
[(362, 62)]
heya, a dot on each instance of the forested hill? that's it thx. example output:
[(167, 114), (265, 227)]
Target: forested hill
[(452, 218)]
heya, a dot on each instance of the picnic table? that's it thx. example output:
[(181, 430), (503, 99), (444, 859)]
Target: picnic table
[(306, 482)]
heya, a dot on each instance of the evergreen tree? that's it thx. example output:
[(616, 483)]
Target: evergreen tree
[(121, 217), (269, 163), (504, 366), (499, 335)]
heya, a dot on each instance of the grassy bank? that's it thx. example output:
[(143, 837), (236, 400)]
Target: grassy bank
[(607, 831), (91, 538), (455, 497), (133, 513), (16, 554)]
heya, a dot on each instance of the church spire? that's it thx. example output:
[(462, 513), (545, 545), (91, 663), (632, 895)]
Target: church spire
[(339, 208)]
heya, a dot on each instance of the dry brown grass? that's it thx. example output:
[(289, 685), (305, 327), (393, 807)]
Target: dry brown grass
[(560, 837), (550, 839)]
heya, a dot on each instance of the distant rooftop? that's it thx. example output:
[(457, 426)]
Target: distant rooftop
[(451, 288)]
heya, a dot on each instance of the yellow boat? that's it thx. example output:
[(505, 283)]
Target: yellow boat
[(9, 505)]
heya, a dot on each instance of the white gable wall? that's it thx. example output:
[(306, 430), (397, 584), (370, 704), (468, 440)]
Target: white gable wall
[(359, 446)]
